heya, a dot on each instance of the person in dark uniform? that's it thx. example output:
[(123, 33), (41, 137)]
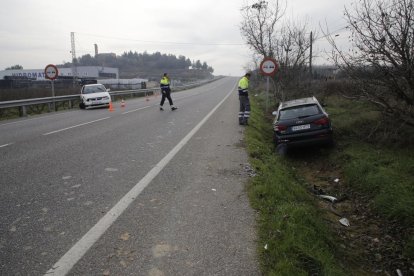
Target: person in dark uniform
[(166, 92)]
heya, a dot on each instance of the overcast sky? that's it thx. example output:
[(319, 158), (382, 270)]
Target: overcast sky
[(34, 33)]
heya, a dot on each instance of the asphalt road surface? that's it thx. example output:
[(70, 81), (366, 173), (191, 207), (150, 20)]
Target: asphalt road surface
[(137, 191)]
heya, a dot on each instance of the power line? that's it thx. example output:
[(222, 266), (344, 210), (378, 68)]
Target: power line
[(333, 32), (164, 42), (357, 21)]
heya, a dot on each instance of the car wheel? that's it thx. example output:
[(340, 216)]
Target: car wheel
[(281, 149), (81, 105), (331, 143)]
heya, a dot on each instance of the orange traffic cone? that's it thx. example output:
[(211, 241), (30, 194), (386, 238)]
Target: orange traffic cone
[(122, 103), (111, 108)]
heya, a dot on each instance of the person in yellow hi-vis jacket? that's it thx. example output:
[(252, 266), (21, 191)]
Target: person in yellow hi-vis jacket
[(244, 113), (166, 92)]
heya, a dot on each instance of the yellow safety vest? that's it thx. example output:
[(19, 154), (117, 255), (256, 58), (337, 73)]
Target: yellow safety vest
[(243, 86), (244, 83), (164, 81)]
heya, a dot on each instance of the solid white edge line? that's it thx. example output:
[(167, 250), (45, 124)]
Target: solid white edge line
[(134, 110), (5, 145), (63, 129), (42, 116), (65, 264)]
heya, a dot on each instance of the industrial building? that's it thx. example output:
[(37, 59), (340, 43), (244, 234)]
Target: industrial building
[(93, 72)]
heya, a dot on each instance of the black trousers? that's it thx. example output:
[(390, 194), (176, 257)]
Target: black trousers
[(166, 93)]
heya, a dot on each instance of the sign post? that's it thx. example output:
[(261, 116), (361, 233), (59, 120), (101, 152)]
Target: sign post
[(51, 73), (268, 67)]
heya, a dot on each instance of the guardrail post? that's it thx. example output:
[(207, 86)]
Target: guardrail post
[(49, 107), (70, 106), (22, 111)]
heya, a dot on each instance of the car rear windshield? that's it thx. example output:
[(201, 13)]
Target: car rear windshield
[(94, 89), (299, 112)]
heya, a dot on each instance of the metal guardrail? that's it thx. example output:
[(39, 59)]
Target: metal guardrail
[(51, 101)]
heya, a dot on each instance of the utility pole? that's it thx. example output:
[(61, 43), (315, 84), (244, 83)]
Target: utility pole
[(310, 55), (73, 51)]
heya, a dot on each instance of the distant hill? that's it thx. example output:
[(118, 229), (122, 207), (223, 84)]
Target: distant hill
[(148, 66)]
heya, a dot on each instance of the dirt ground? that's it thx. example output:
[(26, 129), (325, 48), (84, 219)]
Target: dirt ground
[(370, 244)]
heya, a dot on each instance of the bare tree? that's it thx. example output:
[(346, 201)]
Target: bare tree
[(289, 44), (292, 50), (381, 60), (293, 44), (259, 25)]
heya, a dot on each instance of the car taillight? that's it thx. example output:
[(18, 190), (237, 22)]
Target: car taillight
[(280, 127), (322, 121)]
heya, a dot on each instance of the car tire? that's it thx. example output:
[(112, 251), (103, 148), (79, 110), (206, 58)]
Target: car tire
[(81, 105), (281, 149), (331, 143)]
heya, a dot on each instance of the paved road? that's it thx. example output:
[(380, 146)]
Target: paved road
[(131, 192)]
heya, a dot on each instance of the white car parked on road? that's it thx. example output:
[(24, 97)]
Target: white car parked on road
[(94, 95)]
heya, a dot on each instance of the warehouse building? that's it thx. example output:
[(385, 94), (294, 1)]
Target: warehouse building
[(93, 72)]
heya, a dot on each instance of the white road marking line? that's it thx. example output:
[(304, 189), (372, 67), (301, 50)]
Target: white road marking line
[(87, 123), (5, 145), (130, 111), (65, 264), (31, 119)]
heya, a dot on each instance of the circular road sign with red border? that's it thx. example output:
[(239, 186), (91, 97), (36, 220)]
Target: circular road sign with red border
[(268, 67), (51, 72)]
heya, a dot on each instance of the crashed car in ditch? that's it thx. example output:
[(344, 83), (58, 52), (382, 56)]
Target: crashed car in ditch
[(301, 122)]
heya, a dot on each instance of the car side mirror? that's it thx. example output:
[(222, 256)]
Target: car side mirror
[(107, 90), (274, 113)]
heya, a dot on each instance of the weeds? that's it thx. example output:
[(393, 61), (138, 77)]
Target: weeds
[(294, 239), (375, 163)]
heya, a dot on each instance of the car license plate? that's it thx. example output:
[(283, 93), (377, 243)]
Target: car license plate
[(97, 102), (296, 128)]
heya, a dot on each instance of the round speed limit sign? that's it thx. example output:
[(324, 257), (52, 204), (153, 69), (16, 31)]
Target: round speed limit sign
[(268, 67), (51, 72)]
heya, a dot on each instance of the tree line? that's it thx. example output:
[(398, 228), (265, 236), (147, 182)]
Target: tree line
[(146, 65)]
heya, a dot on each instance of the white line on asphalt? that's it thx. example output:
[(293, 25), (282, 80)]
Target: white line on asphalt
[(65, 264), (130, 111), (31, 119), (87, 123), (5, 145)]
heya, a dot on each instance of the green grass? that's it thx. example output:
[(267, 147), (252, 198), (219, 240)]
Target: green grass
[(290, 224), (386, 176), (374, 163)]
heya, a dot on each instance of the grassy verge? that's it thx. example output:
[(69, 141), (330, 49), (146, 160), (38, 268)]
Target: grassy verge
[(386, 177), (375, 165), (293, 237)]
